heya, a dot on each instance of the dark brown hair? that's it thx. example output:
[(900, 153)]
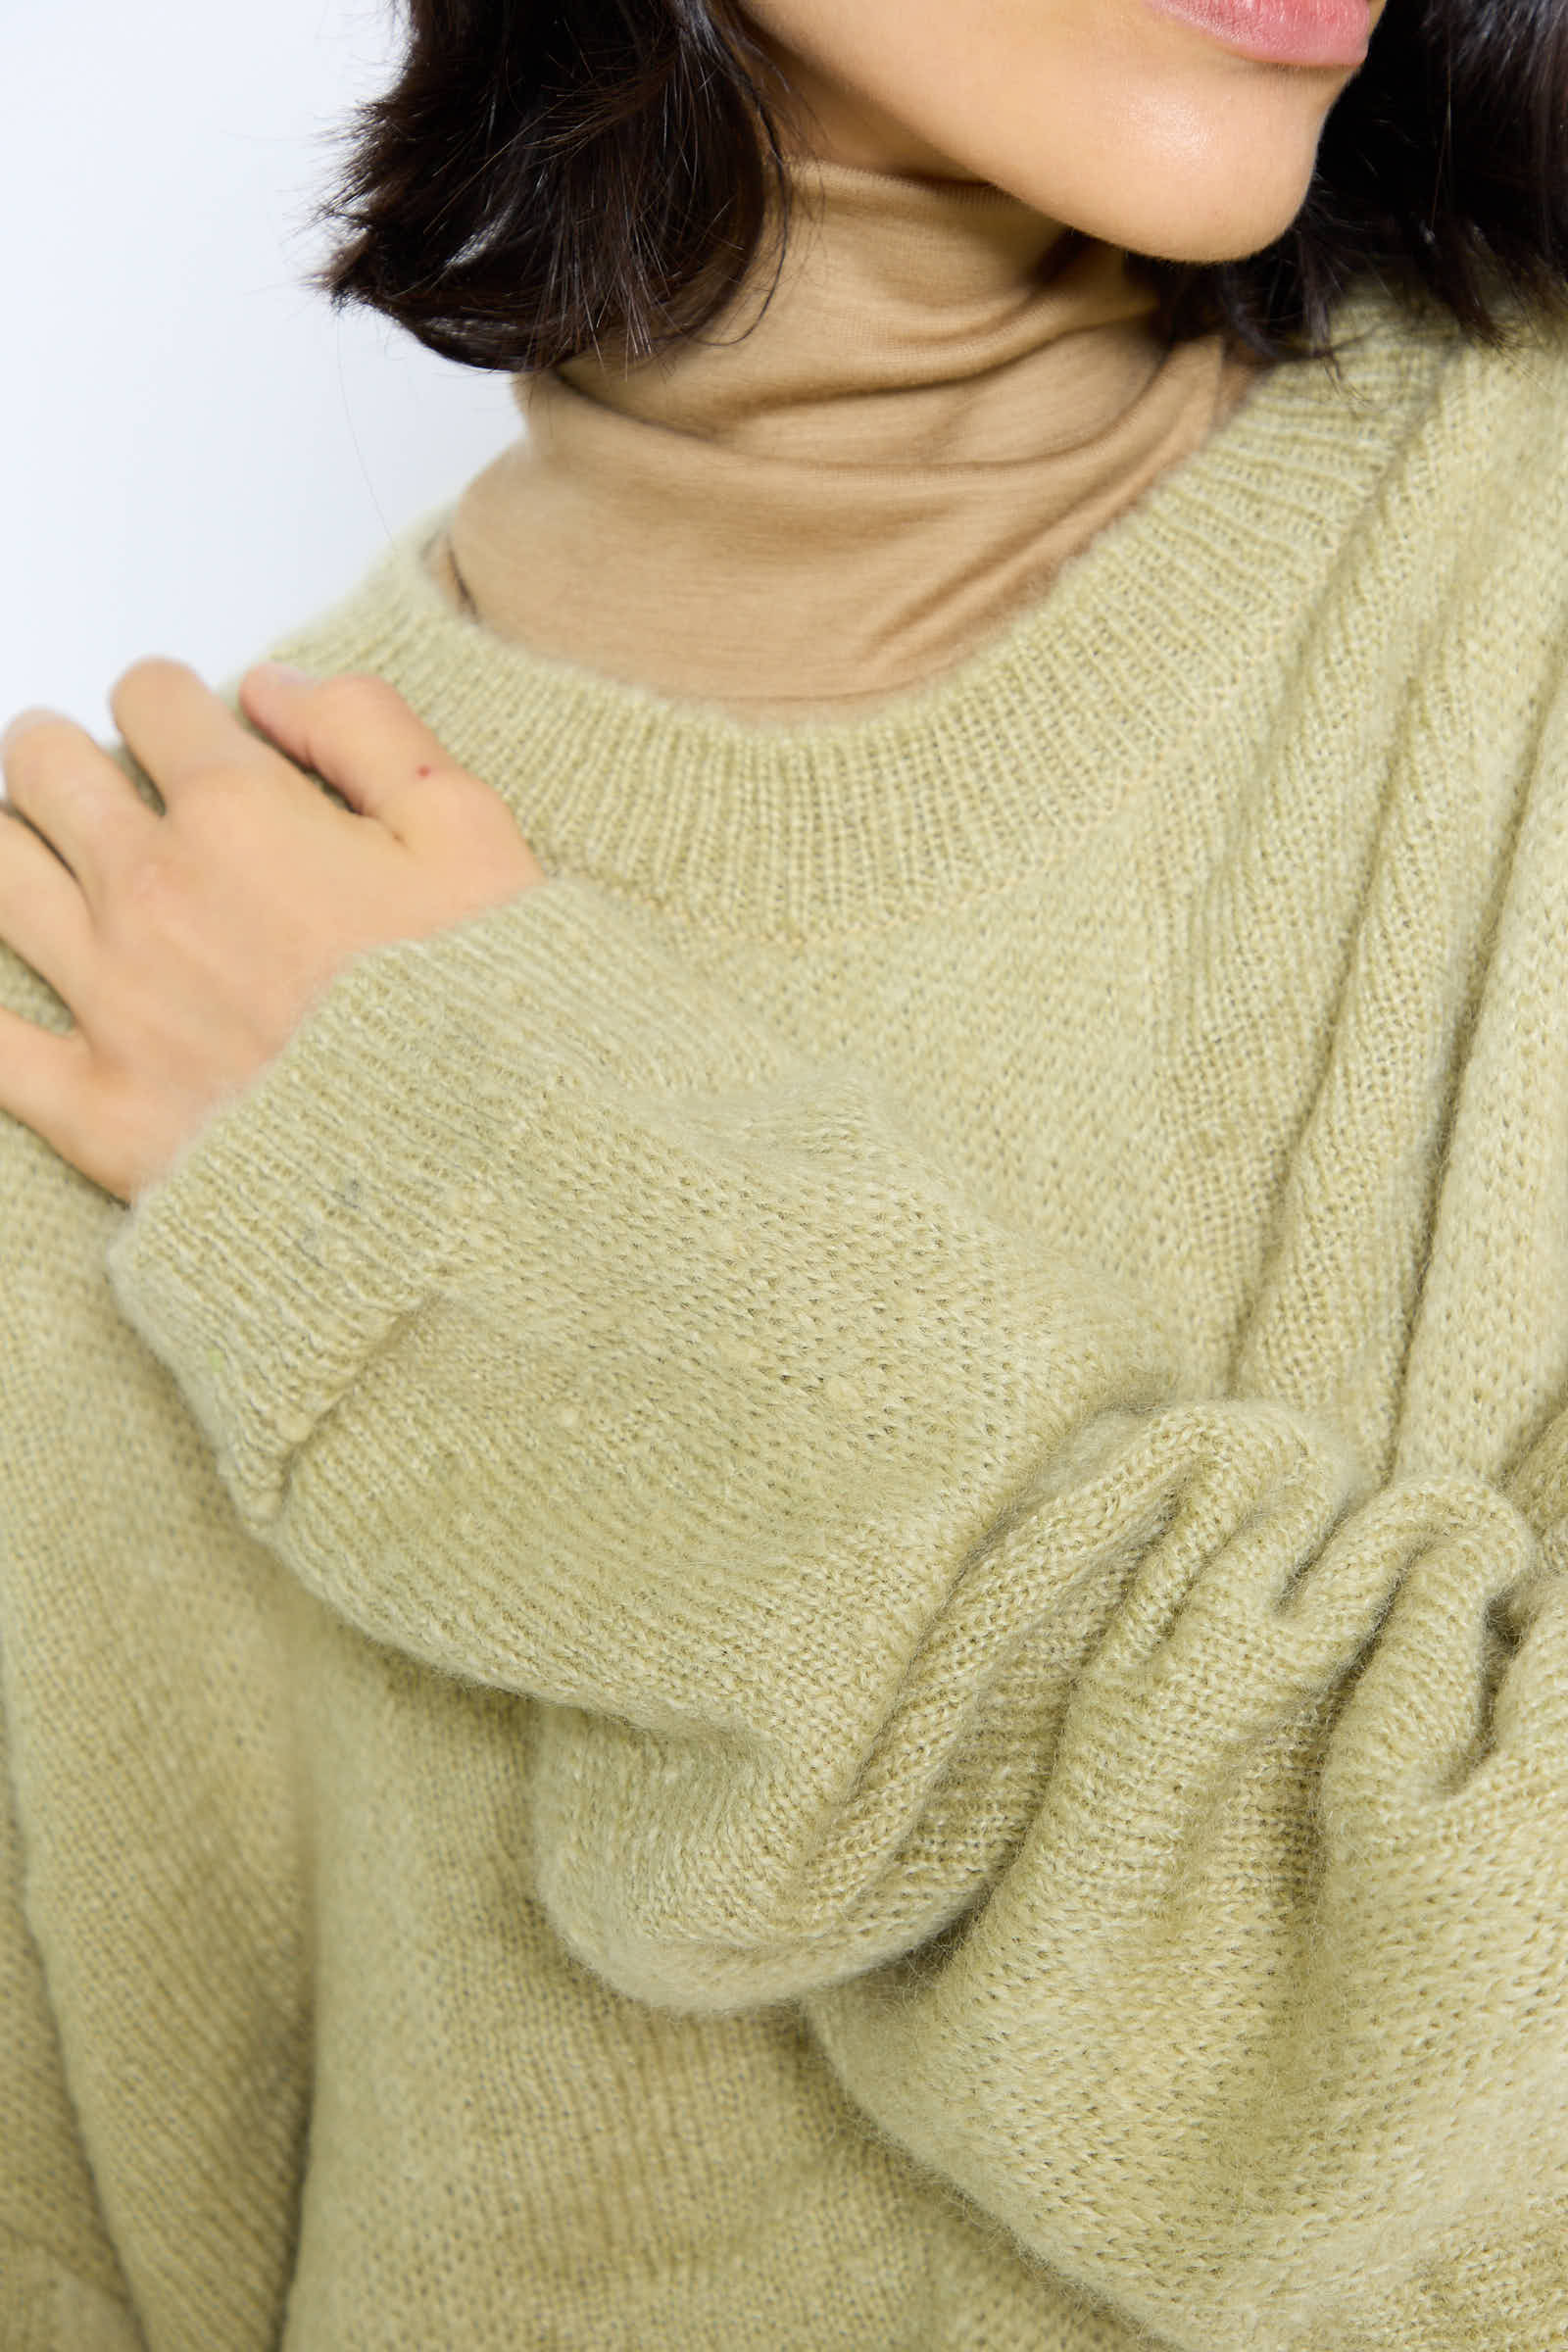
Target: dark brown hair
[(552, 176)]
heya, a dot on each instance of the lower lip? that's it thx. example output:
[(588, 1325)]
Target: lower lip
[(1282, 32)]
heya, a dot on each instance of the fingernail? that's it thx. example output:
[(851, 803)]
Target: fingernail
[(282, 673)]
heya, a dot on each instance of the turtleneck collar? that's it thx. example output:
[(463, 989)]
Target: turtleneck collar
[(900, 300), (856, 474)]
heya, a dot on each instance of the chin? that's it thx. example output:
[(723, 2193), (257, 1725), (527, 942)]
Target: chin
[(1227, 234), (1187, 219), (1179, 182), (1210, 244)]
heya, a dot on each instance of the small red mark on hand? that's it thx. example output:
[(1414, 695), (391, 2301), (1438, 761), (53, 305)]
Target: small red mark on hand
[(424, 771)]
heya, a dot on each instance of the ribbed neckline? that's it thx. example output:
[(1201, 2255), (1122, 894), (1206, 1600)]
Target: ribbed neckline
[(1114, 680)]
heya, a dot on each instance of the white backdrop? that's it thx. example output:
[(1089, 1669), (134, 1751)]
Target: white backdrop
[(194, 453)]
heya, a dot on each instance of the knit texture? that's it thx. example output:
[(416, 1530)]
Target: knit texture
[(812, 1593)]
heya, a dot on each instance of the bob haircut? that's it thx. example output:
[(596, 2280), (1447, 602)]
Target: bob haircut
[(552, 176)]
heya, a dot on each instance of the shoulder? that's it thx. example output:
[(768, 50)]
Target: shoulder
[(1464, 512), (1485, 416)]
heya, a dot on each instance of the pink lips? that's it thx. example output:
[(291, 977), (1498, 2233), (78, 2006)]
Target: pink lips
[(1286, 32)]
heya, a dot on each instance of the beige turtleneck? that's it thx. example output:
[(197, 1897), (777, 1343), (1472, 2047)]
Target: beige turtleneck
[(941, 403)]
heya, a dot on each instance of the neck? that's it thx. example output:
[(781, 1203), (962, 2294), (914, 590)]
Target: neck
[(898, 299), (857, 471)]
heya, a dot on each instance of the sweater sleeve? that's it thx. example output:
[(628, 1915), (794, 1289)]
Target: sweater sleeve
[(1159, 1821)]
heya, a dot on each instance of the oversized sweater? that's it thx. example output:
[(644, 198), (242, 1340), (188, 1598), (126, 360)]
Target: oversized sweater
[(812, 1593)]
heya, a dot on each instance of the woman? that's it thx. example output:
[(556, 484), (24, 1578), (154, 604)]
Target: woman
[(802, 1584)]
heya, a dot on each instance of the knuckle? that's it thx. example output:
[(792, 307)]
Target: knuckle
[(345, 711), (206, 791), (148, 886), (215, 822), (474, 819), (353, 694), (173, 860), (458, 798), (472, 796)]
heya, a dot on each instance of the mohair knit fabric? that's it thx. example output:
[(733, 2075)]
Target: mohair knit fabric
[(813, 1593)]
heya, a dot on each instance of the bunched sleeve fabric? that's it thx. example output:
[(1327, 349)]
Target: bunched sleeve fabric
[(1163, 1825)]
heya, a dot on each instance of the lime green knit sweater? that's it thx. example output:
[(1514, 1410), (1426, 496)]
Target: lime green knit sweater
[(813, 1593)]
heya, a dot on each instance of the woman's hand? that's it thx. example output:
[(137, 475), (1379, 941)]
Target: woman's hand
[(188, 947)]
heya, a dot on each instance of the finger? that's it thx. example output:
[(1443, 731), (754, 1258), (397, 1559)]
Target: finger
[(78, 800), (40, 1078), (43, 914), (358, 733), (183, 733)]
